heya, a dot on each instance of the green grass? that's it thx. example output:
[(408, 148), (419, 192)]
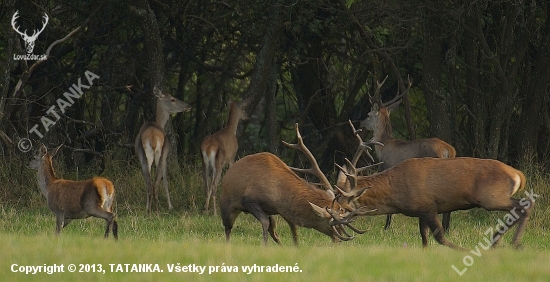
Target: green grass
[(186, 236)]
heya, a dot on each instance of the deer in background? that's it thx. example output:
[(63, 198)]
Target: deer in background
[(219, 150), (395, 151), (263, 185), (153, 146), (69, 199)]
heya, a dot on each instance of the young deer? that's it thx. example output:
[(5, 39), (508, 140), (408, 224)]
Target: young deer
[(219, 150), (395, 151), (69, 199), (152, 145), (263, 185)]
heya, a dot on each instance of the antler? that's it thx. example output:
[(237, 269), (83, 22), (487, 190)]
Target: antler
[(44, 23), (377, 98), (315, 170), (336, 222), (397, 96), (13, 24)]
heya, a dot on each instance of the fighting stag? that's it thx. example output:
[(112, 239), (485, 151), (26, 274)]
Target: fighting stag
[(219, 150), (395, 151), (424, 187), (153, 146), (263, 185)]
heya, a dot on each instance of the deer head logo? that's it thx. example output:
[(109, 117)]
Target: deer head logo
[(29, 40)]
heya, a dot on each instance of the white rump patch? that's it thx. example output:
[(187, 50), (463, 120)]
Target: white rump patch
[(517, 180)]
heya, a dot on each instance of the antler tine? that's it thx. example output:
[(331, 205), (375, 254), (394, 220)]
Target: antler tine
[(14, 24), (315, 169), (363, 146), (399, 96), (44, 23), (347, 221)]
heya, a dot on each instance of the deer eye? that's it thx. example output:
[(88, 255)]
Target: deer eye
[(173, 100)]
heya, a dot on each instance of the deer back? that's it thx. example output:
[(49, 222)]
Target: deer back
[(265, 179), (421, 184)]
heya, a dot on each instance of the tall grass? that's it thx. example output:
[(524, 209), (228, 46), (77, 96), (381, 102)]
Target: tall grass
[(186, 236)]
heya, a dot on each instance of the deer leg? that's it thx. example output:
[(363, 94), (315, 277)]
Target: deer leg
[(206, 178), (214, 190), (146, 161), (424, 231), (209, 189), (59, 223), (271, 229), (446, 221), (162, 170), (294, 231), (437, 231), (108, 216), (388, 222), (228, 219), (256, 210), (518, 213)]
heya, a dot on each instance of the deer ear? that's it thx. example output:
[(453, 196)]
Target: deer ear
[(157, 92), (319, 210), (42, 150)]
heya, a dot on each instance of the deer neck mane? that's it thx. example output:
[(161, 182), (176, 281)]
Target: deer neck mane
[(383, 131), (46, 175)]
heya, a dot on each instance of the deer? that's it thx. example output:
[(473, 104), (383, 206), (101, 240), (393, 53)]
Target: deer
[(69, 199), (219, 150), (395, 151), (425, 187), (29, 40), (152, 145), (263, 185)]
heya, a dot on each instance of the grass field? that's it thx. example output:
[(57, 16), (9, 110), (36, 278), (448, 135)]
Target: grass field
[(185, 240)]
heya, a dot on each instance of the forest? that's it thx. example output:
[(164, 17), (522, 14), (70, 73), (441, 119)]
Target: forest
[(479, 71)]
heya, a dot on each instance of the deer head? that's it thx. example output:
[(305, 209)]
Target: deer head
[(29, 40)]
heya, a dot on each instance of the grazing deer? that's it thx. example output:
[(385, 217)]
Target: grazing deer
[(219, 150), (69, 199), (424, 187), (152, 145), (263, 185), (395, 151)]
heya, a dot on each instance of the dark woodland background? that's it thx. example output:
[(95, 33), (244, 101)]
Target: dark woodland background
[(480, 72)]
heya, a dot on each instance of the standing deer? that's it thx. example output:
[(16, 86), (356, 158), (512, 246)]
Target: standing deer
[(395, 151), (219, 150), (152, 145), (69, 199), (424, 187), (263, 185)]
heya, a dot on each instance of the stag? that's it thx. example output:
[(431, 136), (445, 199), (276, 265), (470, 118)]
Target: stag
[(152, 145), (219, 150), (263, 185), (424, 187), (69, 199), (395, 151), (29, 40)]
